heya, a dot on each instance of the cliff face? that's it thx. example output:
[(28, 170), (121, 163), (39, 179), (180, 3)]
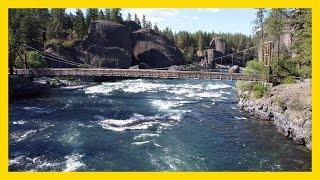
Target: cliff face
[(288, 106), (114, 45)]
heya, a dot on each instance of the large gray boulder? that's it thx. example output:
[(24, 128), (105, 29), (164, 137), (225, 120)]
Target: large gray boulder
[(109, 57), (234, 69), (155, 50), (108, 34), (218, 44), (132, 25)]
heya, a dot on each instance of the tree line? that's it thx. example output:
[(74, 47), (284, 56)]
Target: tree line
[(290, 31), (38, 27)]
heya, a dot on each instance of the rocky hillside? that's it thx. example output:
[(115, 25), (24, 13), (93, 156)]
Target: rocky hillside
[(288, 106), (114, 45)]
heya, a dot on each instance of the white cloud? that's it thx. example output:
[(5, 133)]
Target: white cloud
[(215, 10), (195, 17), (155, 15)]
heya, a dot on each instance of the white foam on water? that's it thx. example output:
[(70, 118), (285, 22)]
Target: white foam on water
[(17, 137), (20, 122), (37, 110), (145, 135), (156, 144), (73, 162), (240, 118), (217, 86), (73, 87), (165, 105), (139, 122), (39, 163), (140, 143)]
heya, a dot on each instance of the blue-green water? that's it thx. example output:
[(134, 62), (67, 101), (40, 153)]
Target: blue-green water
[(146, 125)]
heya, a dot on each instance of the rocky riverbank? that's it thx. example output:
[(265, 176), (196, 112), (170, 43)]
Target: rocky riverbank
[(287, 106), (27, 86)]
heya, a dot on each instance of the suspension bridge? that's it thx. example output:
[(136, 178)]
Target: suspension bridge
[(72, 68)]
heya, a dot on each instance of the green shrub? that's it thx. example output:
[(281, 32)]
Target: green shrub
[(254, 67), (288, 80), (34, 60), (259, 90), (69, 43), (244, 86), (305, 72), (54, 42)]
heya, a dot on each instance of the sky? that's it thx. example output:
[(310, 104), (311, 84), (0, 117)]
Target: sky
[(205, 19)]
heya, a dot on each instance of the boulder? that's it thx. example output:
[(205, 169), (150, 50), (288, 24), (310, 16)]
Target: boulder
[(132, 26), (24, 87), (109, 57), (218, 44), (155, 50), (234, 69), (108, 34)]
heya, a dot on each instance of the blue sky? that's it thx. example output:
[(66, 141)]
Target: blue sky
[(205, 19)]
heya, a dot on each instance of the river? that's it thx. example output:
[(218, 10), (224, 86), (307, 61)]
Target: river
[(146, 125)]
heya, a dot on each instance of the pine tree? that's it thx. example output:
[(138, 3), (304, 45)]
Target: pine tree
[(79, 25), (91, 15), (302, 40), (129, 17), (155, 28), (56, 24), (260, 22), (101, 15), (144, 22), (116, 15), (136, 19), (107, 14), (275, 27)]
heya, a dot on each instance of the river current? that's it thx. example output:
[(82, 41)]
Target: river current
[(146, 125)]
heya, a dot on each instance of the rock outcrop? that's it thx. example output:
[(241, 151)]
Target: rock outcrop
[(288, 106), (109, 57), (104, 33), (24, 86), (155, 50), (132, 26), (218, 44), (234, 69), (113, 45)]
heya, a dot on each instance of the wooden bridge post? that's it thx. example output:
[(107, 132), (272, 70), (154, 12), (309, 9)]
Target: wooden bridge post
[(11, 60), (267, 57), (25, 61)]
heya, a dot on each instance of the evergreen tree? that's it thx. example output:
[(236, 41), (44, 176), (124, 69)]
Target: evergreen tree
[(80, 26), (302, 40), (101, 15), (116, 15), (91, 15), (56, 24), (144, 21), (107, 14), (275, 27), (155, 28), (129, 17), (259, 22), (136, 19)]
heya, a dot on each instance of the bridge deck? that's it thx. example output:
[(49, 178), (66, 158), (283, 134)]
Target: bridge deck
[(137, 73)]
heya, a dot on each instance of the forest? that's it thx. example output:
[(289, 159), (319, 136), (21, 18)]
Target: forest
[(39, 27)]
